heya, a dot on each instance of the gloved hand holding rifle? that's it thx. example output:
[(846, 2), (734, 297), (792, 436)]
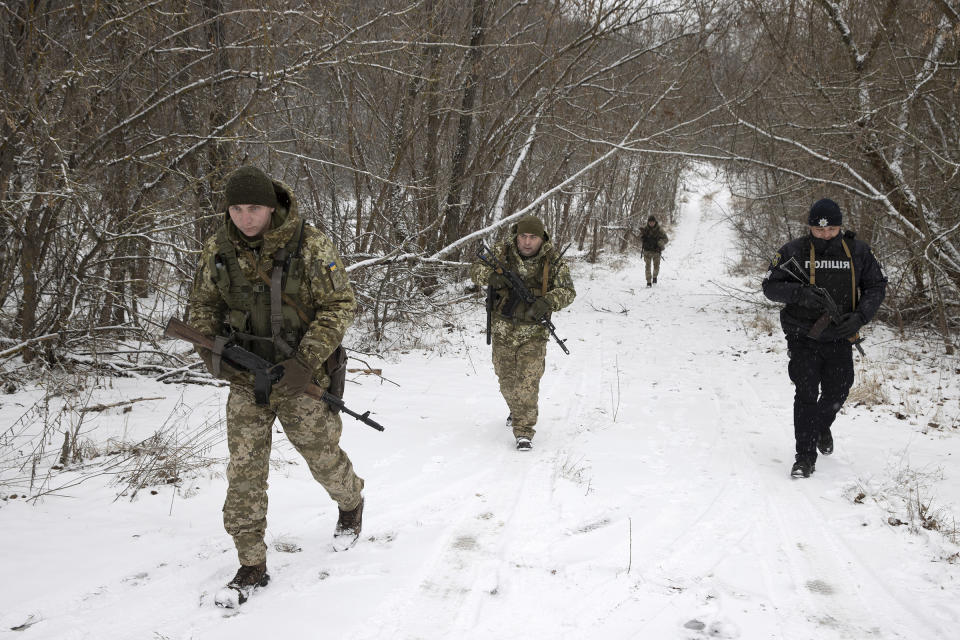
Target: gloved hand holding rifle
[(265, 373), (519, 292), (818, 298)]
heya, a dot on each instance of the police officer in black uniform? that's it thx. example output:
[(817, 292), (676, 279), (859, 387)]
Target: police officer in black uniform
[(832, 285)]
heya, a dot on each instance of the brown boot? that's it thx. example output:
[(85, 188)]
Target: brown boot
[(248, 579), (348, 528)]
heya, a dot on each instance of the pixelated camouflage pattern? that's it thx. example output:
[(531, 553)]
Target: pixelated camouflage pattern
[(312, 428), (651, 262), (324, 293), (560, 290), (519, 364), (519, 347)]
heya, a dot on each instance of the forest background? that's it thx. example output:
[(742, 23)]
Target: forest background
[(410, 129)]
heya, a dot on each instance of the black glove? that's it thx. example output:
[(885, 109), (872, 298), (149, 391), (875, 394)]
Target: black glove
[(498, 280), (295, 379), (812, 298), (849, 324), (537, 310)]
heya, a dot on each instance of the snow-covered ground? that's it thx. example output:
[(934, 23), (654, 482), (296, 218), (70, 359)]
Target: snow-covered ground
[(656, 502)]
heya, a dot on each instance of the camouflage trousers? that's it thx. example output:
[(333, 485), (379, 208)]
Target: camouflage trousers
[(651, 258), (519, 365), (312, 428)]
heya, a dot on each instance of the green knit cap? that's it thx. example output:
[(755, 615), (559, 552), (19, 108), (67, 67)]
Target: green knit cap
[(249, 185), (531, 225)]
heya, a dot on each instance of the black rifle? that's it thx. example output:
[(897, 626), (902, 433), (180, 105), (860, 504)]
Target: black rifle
[(265, 373), (518, 292), (831, 310)]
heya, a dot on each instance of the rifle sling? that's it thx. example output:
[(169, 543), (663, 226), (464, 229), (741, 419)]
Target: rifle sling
[(276, 302), (219, 343)]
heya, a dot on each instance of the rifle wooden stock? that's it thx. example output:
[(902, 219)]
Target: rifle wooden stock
[(180, 330)]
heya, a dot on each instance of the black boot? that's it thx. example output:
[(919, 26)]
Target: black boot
[(348, 528), (249, 578), (802, 468), (825, 442)]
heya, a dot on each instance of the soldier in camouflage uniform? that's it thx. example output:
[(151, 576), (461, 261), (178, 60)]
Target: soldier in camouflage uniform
[(519, 340), (653, 241), (278, 288)]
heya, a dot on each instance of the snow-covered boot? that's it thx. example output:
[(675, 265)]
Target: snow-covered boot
[(249, 578), (348, 528), (825, 442), (802, 469), (524, 444)]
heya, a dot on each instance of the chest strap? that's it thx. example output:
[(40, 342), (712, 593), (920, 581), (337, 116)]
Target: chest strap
[(276, 302), (853, 273), (282, 258)]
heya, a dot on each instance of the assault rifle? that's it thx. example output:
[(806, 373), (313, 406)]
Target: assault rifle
[(265, 373), (518, 292), (831, 310)]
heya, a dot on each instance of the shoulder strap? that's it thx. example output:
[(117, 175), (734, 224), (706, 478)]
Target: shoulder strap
[(813, 265), (853, 274), (281, 261)]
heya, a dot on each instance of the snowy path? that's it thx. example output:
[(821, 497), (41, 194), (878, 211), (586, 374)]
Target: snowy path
[(656, 503)]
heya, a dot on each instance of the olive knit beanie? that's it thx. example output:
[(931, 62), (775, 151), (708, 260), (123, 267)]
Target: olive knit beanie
[(531, 225), (249, 185)]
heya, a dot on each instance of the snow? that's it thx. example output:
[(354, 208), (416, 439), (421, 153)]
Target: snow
[(656, 503)]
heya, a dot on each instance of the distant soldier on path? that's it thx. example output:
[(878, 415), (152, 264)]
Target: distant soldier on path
[(519, 339), (832, 285), (653, 240), (277, 287)]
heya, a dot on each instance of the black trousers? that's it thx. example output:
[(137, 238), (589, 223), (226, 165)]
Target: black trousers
[(822, 373)]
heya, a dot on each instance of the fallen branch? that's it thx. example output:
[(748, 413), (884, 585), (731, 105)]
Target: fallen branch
[(103, 407), (23, 345)]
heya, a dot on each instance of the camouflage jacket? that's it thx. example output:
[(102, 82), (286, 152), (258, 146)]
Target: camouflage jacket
[(653, 238), (324, 295), (559, 286)]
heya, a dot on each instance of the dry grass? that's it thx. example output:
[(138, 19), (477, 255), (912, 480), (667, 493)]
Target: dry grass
[(869, 390), (763, 323)]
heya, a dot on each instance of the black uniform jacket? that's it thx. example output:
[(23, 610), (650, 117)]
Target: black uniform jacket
[(832, 270)]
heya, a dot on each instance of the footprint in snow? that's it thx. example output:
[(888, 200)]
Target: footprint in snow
[(716, 629)]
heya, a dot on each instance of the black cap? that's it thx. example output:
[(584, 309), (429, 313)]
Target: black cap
[(825, 213)]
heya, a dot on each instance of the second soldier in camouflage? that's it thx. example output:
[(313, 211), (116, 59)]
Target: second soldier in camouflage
[(519, 339)]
